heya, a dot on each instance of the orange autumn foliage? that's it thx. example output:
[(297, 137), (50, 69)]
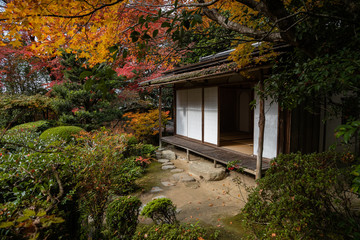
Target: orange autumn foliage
[(146, 124)]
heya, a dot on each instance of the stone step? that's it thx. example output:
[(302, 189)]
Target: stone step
[(168, 167), (183, 177), (162, 160), (207, 171)]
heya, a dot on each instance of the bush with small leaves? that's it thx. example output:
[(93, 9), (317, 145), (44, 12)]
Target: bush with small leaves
[(122, 217), (63, 132), (304, 197), (161, 211), (38, 126)]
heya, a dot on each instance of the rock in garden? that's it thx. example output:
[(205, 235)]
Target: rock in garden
[(167, 184), (167, 164), (207, 171), (168, 167), (183, 177), (158, 154), (155, 190), (177, 170), (157, 197), (163, 160), (168, 154)]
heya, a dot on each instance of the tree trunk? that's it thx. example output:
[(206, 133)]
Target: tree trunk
[(160, 119), (261, 129)]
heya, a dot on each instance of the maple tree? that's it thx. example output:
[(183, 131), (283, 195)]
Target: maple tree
[(146, 124), (100, 31)]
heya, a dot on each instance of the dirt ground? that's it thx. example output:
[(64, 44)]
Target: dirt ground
[(209, 202)]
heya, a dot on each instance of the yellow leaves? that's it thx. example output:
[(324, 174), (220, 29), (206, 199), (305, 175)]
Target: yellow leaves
[(243, 54), (146, 124)]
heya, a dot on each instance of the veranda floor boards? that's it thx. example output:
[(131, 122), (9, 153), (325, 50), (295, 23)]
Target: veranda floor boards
[(217, 154)]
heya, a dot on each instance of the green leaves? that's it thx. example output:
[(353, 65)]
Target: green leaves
[(348, 131), (298, 195)]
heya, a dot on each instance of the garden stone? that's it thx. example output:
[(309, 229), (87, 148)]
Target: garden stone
[(167, 184), (158, 154), (206, 171), (183, 177), (168, 154), (167, 164), (158, 197), (163, 160), (177, 170), (168, 167), (155, 190)]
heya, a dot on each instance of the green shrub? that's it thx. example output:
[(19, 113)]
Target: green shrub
[(38, 126), (174, 232), (122, 217), (63, 132), (64, 191), (161, 211), (141, 149), (303, 197), (132, 141)]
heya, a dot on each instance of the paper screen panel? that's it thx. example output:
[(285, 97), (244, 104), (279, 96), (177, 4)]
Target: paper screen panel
[(271, 128), (181, 112), (211, 115), (194, 112)]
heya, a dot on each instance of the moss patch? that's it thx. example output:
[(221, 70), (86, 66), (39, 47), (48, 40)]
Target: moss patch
[(151, 177)]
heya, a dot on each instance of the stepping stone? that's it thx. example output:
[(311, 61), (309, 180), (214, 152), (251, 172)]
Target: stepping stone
[(156, 189), (168, 167), (157, 197), (167, 184), (177, 170), (163, 160), (168, 154), (206, 171), (167, 164), (158, 154), (183, 177)]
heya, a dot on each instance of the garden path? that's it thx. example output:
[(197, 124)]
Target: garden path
[(209, 202)]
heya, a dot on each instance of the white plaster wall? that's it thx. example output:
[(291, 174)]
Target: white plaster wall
[(211, 115), (181, 112), (194, 113), (271, 128)]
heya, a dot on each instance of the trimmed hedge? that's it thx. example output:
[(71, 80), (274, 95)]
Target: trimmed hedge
[(38, 126), (63, 132)]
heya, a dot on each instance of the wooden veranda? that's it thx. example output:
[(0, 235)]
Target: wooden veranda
[(217, 154)]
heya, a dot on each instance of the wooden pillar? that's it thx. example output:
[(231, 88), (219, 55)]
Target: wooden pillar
[(261, 128), (160, 118)]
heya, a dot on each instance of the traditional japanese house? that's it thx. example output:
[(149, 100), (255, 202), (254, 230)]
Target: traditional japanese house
[(217, 112)]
